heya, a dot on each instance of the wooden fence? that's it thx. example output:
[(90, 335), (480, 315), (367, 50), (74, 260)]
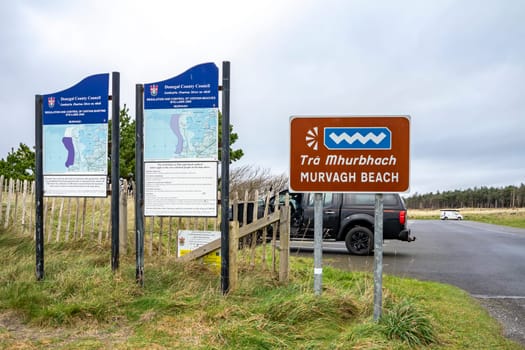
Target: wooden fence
[(72, 218)]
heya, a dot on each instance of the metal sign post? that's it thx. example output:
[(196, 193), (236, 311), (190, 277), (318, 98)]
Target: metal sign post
[(115, 169), (39, 191), (378, 256), (318, 243), (225, 179), (368, 154), (139, 184)]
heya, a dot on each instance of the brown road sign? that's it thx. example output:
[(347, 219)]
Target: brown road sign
[(350, 154)]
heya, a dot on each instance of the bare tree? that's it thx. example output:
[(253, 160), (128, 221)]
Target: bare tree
[(250, 178)]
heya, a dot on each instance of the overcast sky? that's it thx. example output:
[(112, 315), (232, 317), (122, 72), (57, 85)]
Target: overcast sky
[(456, 67)]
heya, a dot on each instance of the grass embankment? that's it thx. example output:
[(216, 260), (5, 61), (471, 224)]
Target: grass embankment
[(505, 217), (81, 304)]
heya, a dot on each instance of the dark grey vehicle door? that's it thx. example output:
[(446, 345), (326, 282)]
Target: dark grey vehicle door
[(331, 210)]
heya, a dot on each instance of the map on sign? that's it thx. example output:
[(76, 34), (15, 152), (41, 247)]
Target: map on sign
[(177, 134), (78, 149)]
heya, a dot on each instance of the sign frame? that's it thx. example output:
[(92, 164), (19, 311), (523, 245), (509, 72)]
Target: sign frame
[(170, 104), (362, 163), (80, 109)]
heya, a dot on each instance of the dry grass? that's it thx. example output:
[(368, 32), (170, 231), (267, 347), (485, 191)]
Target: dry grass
[(425, 213), (498, 216)]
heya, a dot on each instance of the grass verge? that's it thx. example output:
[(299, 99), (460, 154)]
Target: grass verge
[(81, 304), (504, 217)]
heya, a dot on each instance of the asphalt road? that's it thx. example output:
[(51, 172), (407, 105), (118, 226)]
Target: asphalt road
[(487, 261)]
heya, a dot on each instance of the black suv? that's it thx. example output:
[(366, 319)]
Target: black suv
[(349, 217)]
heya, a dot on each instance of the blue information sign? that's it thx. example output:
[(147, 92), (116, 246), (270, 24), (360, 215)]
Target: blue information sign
[(181, 143), (83, 103), (75, 139), (198, 87)]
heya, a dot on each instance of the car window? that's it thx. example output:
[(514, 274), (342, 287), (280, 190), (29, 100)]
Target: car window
[(368, 199)]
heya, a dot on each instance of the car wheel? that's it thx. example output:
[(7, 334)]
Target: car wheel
[(359, 241)]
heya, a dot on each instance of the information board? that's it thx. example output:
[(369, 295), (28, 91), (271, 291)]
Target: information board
[(75, 139), (181, 137), (350, 154)]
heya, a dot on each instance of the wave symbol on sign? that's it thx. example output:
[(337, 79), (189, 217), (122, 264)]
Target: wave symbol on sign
[(311, 138), (357, 137)]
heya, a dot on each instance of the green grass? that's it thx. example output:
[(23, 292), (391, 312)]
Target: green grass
[(505, 219), (82, 304)]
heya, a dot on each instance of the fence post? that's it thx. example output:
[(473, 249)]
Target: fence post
[(101, 219), (151, 229), (59, 226), (32, 205), (16, 189), (123, 218), (9, 198), (50, 220), (254, 234), (68, 222), (24, 197), (265, 229), (84, 210), (93, 216), (161, 224), (284, 237), (274, 234), (234, 248), (1, 195)]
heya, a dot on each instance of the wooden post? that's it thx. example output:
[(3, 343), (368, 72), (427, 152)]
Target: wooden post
[(265, 229), (93, 216), (75, 230), (32, 206), (151, 228), (24, 198), (274, 233), (160, 235), (123, 218), (68, 220), (234, 247), (245, 218), (284, 238), (179, 227), (9, 198), (16, 189), (101, 219), (84, 209), (254, 234), (1, 195), (51, 220), (59, 226), (170, 234)]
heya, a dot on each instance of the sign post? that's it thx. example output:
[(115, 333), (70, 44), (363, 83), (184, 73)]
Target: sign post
[(177, 155), (368, 154), (71, 136), (318, 243), (180, 144)]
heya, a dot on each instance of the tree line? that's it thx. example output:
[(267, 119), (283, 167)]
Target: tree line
[(477, 197)]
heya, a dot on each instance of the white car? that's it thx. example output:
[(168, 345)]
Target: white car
[(450, 214)]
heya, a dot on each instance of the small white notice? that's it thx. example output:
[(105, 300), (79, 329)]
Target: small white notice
[(180, 189)]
